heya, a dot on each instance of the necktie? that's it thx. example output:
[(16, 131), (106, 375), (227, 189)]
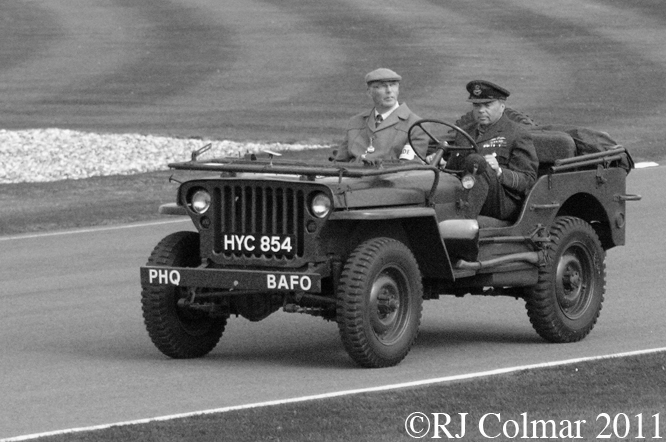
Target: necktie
[(378, 119)]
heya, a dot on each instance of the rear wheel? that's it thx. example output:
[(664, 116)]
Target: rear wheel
[(178, 332), (380, 299), (566, 302)]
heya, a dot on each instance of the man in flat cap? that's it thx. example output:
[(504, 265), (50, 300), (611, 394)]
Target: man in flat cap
[(507, 163), (381, 133)]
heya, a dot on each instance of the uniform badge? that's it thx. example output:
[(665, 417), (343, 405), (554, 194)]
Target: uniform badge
[(495, 143), (477, 90)]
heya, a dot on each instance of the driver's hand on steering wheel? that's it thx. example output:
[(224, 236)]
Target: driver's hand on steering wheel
[(442, 161)]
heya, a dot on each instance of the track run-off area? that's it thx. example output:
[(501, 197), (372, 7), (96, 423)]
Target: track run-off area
[(292, 70)]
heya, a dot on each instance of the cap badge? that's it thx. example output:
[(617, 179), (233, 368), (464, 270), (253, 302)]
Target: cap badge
[(477, 90)]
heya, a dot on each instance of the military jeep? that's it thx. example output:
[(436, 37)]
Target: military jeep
[(365, 245)]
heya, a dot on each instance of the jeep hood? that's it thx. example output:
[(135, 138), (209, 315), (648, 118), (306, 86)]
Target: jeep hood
[(399, 189)]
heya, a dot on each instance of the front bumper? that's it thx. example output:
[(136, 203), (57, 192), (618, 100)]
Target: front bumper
[(232, 279)]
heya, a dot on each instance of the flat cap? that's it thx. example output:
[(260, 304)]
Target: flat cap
[(382, 74), (481, 91)]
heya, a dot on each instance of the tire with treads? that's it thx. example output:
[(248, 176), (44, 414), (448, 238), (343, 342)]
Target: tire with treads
[(567, 300), (176, 331), (379, 302)]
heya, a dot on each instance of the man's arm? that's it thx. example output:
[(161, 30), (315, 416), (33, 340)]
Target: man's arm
[(420, 140), (521, 172), (341, 152)]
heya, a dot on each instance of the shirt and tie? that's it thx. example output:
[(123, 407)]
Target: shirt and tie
[(387, 137), (381, 117), (378, 119)]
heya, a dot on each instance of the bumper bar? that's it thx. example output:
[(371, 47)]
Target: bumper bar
[(228, 279)]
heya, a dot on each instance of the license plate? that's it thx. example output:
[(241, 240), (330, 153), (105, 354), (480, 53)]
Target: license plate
[(251, 280), (259, 243)]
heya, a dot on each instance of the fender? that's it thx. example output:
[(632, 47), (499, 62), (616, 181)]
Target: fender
[(420, 225)]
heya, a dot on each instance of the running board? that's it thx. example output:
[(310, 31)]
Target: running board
[(474, 266)]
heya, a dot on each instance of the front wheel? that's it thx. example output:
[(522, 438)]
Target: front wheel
[(379, 303), (177, 331), (566, 302)]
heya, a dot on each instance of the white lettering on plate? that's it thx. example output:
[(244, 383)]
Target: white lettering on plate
[(163, 276), (288, 282)]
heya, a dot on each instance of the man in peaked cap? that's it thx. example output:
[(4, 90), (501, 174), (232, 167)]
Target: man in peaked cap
[(381, 133), (506, 166)]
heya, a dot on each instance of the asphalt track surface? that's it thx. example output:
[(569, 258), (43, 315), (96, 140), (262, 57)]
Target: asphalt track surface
[(74, 349)]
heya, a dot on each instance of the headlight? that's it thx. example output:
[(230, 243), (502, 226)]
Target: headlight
[(320, 205), (200, 201)]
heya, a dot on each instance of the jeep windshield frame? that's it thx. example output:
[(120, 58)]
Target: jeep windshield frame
[(309, 170)]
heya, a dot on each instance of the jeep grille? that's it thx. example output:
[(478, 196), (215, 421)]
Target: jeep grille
[(258, 208)]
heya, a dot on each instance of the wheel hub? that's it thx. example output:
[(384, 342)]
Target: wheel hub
[(387, 303), (572, 290), (385, 307)]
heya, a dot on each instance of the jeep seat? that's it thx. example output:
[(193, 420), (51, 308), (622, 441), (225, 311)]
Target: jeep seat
[(551, 145), (487, 222)]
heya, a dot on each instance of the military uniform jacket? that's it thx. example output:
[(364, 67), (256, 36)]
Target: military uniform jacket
[(513, 148), (385, 142)]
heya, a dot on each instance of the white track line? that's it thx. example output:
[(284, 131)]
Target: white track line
[(94, 229), (645, 164), (340, 393)]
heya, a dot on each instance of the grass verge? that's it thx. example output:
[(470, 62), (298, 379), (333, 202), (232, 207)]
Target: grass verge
[(621, 398), (38, 207), (108, 200)]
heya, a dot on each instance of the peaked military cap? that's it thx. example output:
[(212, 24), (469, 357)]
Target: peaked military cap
[(481, 91), (382, 74)]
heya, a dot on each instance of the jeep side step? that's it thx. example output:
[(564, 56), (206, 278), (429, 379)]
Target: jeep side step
[(528, 257), (498, 269)]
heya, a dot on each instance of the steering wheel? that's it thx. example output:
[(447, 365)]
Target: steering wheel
[(441, 147)]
